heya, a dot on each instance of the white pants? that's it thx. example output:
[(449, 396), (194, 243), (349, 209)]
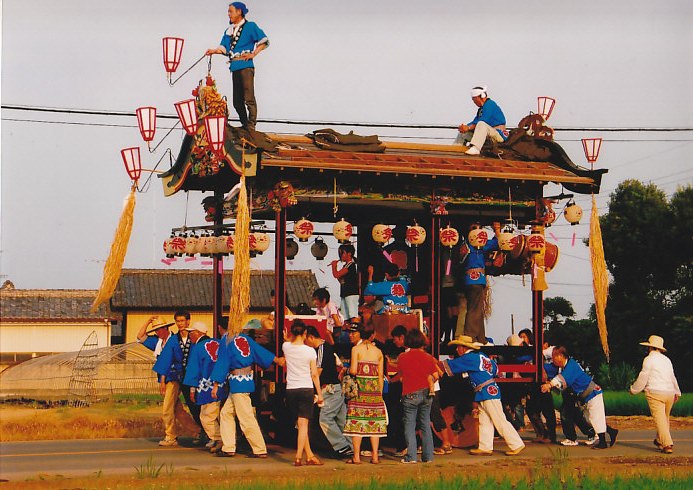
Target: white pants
[(238, 405), (209, 417), (595, 412), (478, 137), (491, 415)]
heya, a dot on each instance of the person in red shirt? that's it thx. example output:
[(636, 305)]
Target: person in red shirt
[(416, 368)]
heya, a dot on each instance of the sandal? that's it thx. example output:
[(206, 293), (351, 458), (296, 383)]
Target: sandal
[(297, 462), (375, 461), (447, 449), (314, 461), (352, 461)]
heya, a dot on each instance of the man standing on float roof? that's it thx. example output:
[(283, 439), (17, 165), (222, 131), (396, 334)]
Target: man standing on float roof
[(242, 42), (488, 123)]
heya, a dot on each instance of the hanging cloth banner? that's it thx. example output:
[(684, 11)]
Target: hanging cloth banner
[(600, 277)]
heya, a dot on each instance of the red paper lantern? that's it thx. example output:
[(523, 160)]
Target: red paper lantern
[(216, 127), (187, 115), (133, 164), (591, 146), (303, 229), (449, 236), (146, 120), (545, 106), (173, 49)]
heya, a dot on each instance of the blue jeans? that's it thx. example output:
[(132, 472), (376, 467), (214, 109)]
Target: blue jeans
[(333, 417), (417, 412)]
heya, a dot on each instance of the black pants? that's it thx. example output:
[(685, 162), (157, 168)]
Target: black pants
[(572, 415), (539, 404), (244, 95), (395, 429), (474, 319), (192, 406)]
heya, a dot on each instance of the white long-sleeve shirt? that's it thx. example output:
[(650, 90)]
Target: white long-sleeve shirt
[(656, 376)]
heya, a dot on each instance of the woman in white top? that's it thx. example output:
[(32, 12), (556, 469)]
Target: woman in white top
[(302, 382), (661, 389)]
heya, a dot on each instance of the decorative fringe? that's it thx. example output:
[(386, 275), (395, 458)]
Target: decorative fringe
[(119, 248), (240, 278), (600, 278), (488, 300)]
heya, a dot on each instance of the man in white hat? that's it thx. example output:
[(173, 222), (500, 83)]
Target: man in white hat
[(198, 380), (482, 371), (488, 123), (661, 389)]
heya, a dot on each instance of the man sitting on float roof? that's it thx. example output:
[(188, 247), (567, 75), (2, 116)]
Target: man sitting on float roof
[(393, 290), (489, 122)]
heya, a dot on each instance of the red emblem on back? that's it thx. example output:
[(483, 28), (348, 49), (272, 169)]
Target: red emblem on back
[(492, 390), (242, 345), (212, 348), (486, 365), (397, 290)]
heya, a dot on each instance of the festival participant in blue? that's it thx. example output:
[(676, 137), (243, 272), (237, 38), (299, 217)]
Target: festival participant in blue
[(481, 371), (393, 290), (237, 354), (203, 356), (161, 334), (488, 123), (242, 42), (574, 377), (474, 266)]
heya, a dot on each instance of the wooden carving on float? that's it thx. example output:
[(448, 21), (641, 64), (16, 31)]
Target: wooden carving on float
[(197, 166)]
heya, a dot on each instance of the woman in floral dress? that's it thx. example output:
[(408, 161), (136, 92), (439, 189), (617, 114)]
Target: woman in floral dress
[(366, 414)]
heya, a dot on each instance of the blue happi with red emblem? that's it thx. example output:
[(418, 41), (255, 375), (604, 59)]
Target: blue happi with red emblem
[(481, 369), (203, 357), (236, 353), (394, 292)]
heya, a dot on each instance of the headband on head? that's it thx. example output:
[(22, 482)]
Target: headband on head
[(240, 6), (480, 92)]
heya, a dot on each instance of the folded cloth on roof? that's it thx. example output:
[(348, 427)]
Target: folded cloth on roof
[(329, 139)]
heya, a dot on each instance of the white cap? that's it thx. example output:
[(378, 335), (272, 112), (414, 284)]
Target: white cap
[(199, 326), (480, 91)]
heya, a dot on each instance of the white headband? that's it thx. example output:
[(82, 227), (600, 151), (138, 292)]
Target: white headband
[(479, 92)]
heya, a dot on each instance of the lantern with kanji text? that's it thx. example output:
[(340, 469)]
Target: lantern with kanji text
[(536, 242), (381, 234), (318, 249), (342, 231), (303, 229), (187, 113), (449, 236), (477, 236), (507, 238), (207, 245), (291, 248), (259, 242), (132, 162), (415, 235), (191, 244), (572, 212), (173, 49), (146, 121)]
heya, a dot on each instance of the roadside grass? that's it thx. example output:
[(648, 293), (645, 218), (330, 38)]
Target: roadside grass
[(623, 403)]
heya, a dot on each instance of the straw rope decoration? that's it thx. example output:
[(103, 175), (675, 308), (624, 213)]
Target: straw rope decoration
[(240, 277), (488, 300), (600, 278), (116, 257)]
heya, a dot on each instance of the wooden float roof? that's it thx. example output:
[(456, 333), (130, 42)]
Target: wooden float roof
[(416, 159)]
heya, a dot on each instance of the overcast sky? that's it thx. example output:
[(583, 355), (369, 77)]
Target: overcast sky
[(616, 64)]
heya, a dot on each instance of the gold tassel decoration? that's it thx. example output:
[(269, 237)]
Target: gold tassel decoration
[(240, 278), (116, 257), (600, 277)]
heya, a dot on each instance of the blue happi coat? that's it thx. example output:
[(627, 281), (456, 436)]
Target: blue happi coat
[(170, 361), (203, 356), (480, 369), (240, 351), (574, 377)]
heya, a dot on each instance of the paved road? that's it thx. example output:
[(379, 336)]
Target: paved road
[(22, 460)]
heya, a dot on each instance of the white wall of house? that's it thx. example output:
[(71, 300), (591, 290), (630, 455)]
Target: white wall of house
[(50, 337)]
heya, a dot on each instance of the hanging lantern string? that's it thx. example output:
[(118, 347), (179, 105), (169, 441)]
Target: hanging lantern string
[(335, 208), (147, 183), (172, 83)]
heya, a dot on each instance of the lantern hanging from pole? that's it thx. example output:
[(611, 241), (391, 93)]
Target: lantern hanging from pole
[(381, 234), (173, 49), (215, 127), (477, 237), (187, 115), (416, 235), (228, 244), (318, 249), (572, 212), (206, 245), (342, 231), (591, 147), (259, 242), (146, 121), (303, 229), (536, 242), (168, 246), (133, 164), (174, 246), (191, 245), (545, 106), (291, 248), (507, 238), (449, 237)]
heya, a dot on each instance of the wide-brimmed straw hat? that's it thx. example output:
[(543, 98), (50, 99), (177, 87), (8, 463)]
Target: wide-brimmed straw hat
[(156, 327), (655, 341), (466, 341)]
